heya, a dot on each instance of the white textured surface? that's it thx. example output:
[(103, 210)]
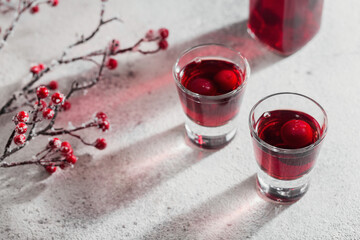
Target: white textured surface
[(149, 184)]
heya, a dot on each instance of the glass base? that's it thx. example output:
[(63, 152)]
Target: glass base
[(210, 137), (282, 191)]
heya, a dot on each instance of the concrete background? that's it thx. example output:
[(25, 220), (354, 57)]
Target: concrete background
[(149, 183)]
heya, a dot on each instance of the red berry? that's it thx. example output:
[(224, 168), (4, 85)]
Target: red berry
[(226, 80), (66, 148), (66, 105), (50, 169), (63, 166), (22, 116), (53, 85), (19, 139), (114, 45), (297, 133), (54, 143), (21, 128), (41, 66), (35, 69), (48, 113), (71, 159), (111, 63), (42, 92), (42, 105), (164, 33), (201, 86), (57, 98), (100, 143), (163, 44), (150, 35), (54, 3), (104, 125), (100, 116), (34, 9)]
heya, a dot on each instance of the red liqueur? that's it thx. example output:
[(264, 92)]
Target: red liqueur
[(286, 129), (285, 25), (206, 79)]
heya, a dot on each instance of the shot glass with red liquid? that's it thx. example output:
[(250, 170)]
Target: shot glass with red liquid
[(287, 130), (211, 81), (285, 25)]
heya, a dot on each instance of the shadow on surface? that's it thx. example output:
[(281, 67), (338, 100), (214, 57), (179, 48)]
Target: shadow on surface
[(116, 180), (237, 213), (236, 37), (139, 91), (19, 185)]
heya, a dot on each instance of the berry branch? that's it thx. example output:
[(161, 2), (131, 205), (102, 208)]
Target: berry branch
[(23, 6), (6, 6), (40, 108)]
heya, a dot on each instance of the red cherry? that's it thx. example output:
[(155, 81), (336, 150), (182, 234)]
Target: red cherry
[(19, 139), (21, 128), (57, 98), (50, 169), (201, 86), (66, 105), (54, 143), (42, 105), (163, 44), (66, 148), (164, 33), (226, 80), (22, 116), (48, 113), (100, 143), (42, 92), (101, 116), (296, 133), (71, 159), (111, 63), (53, 85), (34, 9)]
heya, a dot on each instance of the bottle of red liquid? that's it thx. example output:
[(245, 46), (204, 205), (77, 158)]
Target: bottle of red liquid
[(285, 25)]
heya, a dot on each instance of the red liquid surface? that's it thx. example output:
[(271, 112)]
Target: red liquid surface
[(289, 130), (285, 25), (211, 77)]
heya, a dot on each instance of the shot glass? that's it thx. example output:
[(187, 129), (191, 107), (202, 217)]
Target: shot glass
[(211, 81), (287, 130)]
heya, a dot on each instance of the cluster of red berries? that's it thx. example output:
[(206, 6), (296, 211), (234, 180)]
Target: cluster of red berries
[(67, 153), (21, 128), (35, 9), (57, 98), (162, 33), (48, 112), (36, 69)]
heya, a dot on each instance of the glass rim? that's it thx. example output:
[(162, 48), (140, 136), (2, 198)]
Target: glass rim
[(228, 94), (286, 150)]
